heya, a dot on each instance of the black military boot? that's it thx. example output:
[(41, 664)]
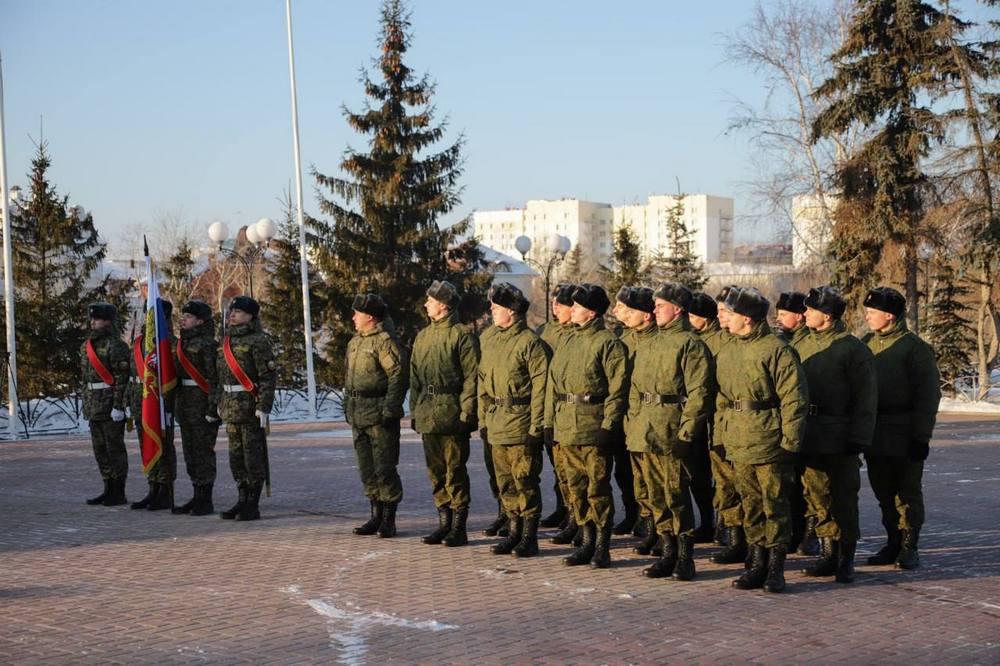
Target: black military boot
[(236, 508), (116, 493), (845, 562), (753, 577), (775, 581), (809, 544), (457, 536), (445, 516), (826, 565), (189, 505), (164, 499), (888, 553), (556, 518), (203, 505), (645, 547), (719, 537), (706, 529), (387, 529), (493, 529), (506, 545), (566, 535), (144, 502), (685, 558), (585, 552), (94, 501), (736, 551), (251, 508), (627, 523), (664, 567), (909, 558), (528, 546), (371, 526), (602, 549)]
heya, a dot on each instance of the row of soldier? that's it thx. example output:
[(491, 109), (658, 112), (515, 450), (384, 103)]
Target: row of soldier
[(694, 392)]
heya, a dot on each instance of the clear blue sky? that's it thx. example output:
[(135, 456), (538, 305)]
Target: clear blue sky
[(184, 105)]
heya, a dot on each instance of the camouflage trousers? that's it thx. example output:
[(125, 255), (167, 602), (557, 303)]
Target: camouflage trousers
[(559, 470), (377, 450), (832, 483), (896, 482), (490, 469), (641, 491), (669, 483), (518, 468), (765, 491), (726, 499), (446, 457), (589, 484), (247, 453), (198, 443), (108, 440)]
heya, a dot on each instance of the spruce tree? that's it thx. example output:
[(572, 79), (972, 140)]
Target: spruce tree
[(384, 236), (626, 267), (56, 251), (571, 268), (680, 263), (895, 61), (948, 330), (178, 274), (284, 320)]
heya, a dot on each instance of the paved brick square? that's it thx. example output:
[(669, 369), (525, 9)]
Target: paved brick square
[(81, 584)]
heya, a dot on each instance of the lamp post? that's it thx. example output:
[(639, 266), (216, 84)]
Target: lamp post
[(258, 235), (558, 247), (8, 276)]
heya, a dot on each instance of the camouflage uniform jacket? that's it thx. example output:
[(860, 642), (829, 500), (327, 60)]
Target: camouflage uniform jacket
[(113, 353), (255, 354), (715, 338), (554, 334), (513, 366), (909, 390), (673, 362), (761, 368), (134, 390), (591, 363), (191, 404), (443, 372), (376, 378)]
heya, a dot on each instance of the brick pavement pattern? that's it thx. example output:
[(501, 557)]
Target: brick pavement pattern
[(81, 584)]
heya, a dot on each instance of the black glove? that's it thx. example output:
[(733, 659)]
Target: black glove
[(484, 435), (919, 451), (549, 436), (534, 440), (681, 448), (413, 425), (605, 437)]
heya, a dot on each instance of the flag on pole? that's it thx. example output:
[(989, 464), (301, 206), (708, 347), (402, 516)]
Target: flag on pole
[(160, 376)]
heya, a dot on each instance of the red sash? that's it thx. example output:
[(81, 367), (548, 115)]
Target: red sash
[(140, 362), (99, 367), (238, 372), (192, 371)]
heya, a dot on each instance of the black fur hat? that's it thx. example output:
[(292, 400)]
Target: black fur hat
[(748, 302), (370, 304), (508, 296), (199, 309), (637, 298), (104, 311), (886, 299), (245, 304), (724, 292), (791, 301), (827, 300), (676, 293), (703, 305), (591, 296), (445, 292), (563, 293)]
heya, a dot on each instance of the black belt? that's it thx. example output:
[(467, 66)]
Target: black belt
[(584, 398), (752, 405), (431, 389), (364, 394), (507, 401), (662, 399)]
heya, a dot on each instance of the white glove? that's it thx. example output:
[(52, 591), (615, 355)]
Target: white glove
[(212, 419), (117, 415), (263, 418)]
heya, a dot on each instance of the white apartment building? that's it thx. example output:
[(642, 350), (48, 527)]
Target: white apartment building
[(591, 226), (812, 228)]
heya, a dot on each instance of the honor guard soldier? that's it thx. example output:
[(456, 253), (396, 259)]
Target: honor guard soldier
[(104, 361), (443, 371), (763, 391), (841, 420), (195, 405), (163, 472), (585, 404), (909, 392), (553, 334), (246, 370), (374, 388), (512, 376), (498, 527), (668, 405)]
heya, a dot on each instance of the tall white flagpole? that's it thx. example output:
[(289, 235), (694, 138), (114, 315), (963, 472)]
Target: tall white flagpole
[(304, 261), (13, 420)]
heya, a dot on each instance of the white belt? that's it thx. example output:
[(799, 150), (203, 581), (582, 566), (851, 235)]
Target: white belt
[(135, 380), (190, 382), (233, 388), (96, 386)]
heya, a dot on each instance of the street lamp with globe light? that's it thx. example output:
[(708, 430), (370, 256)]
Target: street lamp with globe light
[(258, 235), (558, 247)]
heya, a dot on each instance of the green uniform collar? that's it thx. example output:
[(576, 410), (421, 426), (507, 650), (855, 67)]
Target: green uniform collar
[(378, 328), (676, 326), (446, 321), (838, 328), (515, 328), (757, 331), (243, 329), (594, 325)]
